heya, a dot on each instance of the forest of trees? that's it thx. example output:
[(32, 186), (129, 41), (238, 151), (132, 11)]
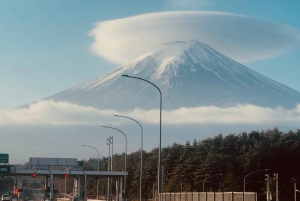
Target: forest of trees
[(185, 166)]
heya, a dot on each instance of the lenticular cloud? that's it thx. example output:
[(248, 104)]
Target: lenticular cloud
[(241, 38)]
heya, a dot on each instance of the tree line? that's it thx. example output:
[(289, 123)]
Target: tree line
[(223, 161), (186, 166)]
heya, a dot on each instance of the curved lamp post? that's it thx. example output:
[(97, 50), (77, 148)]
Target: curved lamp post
[(210, 177), (98, 165), (247, 176), (125, 151), (159, 150), (141, 173)]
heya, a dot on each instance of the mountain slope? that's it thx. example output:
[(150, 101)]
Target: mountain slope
[(189, 74)]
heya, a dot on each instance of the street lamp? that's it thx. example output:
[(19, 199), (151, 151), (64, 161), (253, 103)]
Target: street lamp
[(247, 176), (98, 164), (125, 151), (210, 177), (159, 149), (141, 173)]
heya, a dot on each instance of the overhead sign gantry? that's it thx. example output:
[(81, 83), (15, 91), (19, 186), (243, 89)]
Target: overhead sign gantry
[(72, 167)]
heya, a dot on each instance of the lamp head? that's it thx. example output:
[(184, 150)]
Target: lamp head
[(124, 75)]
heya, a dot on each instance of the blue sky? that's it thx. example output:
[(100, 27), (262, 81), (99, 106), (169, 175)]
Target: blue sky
[(45, 45)]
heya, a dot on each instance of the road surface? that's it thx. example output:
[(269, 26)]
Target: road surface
[(32, 194)]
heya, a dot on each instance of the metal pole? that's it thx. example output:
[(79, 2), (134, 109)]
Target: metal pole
[(294, 181), (110, 156), (141, 169), (65, 187), (112, 152), (98, 164), (244, 190), (208, 178), (51, 189), (295, 191), (111, 165), (268, 187), (85, 180), (16, 180), (125, 152), (108, 143), (276, 179), (160, 115), (51, 185)]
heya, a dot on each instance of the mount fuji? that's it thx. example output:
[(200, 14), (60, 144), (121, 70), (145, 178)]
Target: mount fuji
[(189, 74)]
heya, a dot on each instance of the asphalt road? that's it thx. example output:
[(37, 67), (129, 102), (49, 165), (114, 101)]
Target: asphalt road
[(32, 194)]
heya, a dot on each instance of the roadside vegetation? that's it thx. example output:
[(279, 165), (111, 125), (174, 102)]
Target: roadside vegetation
[(185, 166)]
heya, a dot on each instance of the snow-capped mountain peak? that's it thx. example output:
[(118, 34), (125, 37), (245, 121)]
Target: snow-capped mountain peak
[(190, 74)]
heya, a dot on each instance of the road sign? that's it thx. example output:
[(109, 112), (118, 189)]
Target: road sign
[(4, 158), (4, 168)]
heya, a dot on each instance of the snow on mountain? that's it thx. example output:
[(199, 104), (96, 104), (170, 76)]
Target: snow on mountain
[(189, 74)]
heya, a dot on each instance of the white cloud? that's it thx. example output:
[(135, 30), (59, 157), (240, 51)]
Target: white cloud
[(55, 113), (57, 129), (63, 113), (242, 38)]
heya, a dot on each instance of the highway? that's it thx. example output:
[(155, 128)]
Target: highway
[(32, 194)]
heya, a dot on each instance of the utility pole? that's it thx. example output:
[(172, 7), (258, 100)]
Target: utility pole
[(112, 152), (110, 141), (108, 160), (268, 186)]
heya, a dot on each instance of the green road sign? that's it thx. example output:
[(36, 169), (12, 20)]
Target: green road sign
[(4, 158)]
